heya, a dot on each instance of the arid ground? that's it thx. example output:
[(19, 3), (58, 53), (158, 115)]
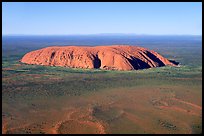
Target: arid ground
[(44, 99)]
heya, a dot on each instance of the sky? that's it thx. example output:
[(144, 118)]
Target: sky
[(67, 18)]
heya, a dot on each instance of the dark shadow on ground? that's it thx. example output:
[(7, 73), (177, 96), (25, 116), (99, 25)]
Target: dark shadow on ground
[(174, 62)]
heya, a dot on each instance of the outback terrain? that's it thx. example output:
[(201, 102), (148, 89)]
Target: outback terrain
[(54, 99)]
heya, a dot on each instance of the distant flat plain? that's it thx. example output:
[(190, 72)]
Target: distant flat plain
[(43, 99)]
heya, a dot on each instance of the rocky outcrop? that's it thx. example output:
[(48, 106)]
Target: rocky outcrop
[(115, 57)]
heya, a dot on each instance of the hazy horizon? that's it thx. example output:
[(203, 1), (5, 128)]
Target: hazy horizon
[(102, 34)]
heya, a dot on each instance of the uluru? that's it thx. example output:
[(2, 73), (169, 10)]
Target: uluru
[(113, 57)]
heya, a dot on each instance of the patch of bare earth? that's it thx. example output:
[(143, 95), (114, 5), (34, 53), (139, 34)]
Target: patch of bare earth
[(80, 124)]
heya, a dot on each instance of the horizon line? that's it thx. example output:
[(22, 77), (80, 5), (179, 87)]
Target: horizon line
[(103, 34)]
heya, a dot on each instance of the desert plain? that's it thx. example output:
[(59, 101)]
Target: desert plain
[(53, 99)]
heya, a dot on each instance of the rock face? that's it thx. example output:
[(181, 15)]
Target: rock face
[(116, 57)]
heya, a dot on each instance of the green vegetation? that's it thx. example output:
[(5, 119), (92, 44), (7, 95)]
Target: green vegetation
[(27, 89), (22, 81)]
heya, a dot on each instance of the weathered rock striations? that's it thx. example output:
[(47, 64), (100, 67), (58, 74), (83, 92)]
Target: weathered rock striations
[(115, 57)]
